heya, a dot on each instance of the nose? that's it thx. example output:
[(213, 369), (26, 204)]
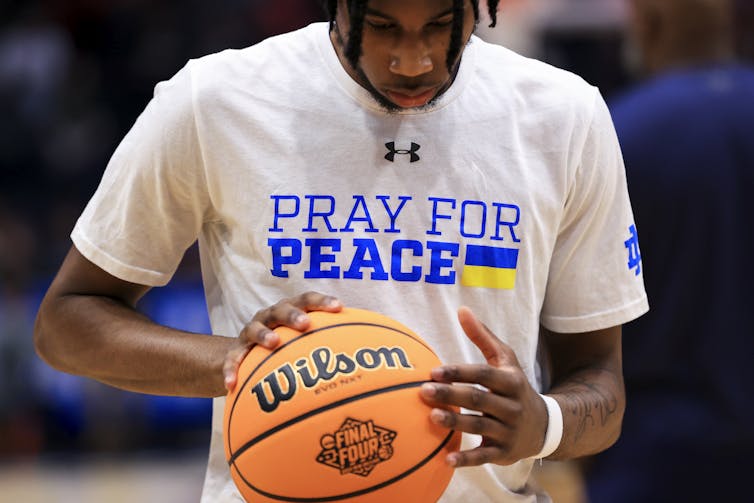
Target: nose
[(410, 57)]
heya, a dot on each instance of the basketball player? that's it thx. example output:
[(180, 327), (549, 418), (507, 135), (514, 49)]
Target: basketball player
[(394, 162)]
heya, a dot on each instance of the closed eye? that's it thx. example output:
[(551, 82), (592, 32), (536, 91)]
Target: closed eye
[(441, 23), (380, 25)]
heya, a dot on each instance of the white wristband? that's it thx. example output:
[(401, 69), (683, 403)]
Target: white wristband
[(554, 433)]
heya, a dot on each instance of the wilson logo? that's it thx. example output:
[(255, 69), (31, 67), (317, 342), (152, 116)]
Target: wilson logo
[(356, 447), (322, 364)]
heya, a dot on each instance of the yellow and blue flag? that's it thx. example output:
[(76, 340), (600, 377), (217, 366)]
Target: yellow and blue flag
[(490, 267)]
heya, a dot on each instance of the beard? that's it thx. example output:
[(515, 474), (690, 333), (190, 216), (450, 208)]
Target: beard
[(384, 103), (387, 105)]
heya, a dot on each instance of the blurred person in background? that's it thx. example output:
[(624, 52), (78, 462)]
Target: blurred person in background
[(73, 77), (687, 134), (744, 21)]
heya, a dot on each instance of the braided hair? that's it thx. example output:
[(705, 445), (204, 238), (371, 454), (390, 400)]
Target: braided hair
[(357, 11)]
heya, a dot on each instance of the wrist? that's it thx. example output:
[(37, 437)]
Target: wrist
[(554, 432)]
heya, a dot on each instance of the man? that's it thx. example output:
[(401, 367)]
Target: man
[(687, 134), (395, 163)]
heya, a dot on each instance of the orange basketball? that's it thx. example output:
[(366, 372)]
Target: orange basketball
[(334, 414)]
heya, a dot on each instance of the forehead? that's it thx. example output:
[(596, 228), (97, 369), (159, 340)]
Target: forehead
[(409, 8)]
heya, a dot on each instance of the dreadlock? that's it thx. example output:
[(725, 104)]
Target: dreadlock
[(357, 10), (456, 32)]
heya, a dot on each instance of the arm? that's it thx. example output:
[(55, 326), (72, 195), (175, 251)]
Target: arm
[(587, 383), (87, 325)]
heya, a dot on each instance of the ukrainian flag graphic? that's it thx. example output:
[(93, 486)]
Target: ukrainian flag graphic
[(490, 267)]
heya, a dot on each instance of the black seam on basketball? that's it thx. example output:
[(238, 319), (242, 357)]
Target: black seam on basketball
[(319, 410), (360, 492), (280, 348)]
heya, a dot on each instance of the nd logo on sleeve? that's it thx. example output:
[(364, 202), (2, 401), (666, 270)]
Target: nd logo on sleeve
[(634, 255)]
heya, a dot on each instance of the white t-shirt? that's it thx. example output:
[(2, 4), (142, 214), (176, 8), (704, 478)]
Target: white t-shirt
[(508, 196)]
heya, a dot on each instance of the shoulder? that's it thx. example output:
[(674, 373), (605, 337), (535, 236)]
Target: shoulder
[(269, 54), (531, 83), (274, 63)]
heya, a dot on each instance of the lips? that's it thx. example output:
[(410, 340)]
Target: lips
[(411, 99)]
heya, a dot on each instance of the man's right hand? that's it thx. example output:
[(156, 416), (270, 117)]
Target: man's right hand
[(288, 313)]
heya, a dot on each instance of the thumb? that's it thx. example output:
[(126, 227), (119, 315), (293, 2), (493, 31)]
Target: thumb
[(495, 351)]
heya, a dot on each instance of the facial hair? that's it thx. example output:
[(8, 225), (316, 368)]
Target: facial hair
[(387, 105)]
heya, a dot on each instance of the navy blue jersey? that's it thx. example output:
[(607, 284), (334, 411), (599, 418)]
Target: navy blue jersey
[(688, 143)]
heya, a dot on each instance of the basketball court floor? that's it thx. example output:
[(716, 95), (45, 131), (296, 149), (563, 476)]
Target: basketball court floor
[(163, 479)]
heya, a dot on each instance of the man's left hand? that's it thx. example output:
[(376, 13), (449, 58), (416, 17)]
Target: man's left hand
[(510, 415)]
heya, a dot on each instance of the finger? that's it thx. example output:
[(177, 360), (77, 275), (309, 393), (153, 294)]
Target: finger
[(471, 423), (507, 380), (260, 330), (504, 409), (258, 333), (479, 456), (315, 301), (310, 301), (292, 312), (495, 351), (284, 313), (231, 365)]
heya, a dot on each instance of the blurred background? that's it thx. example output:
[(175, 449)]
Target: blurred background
[(74, 75)]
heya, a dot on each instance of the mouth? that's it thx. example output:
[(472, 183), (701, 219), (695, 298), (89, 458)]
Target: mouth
[(411, 98)]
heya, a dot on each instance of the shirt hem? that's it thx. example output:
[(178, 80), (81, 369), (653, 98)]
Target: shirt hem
[(114, 266), (597, 321)]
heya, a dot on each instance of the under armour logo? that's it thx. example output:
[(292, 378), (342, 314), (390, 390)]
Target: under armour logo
[(634, 256), (392, 151)]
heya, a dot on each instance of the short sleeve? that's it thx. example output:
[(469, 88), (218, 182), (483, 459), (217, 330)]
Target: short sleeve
[(152, 199), (595, 277)]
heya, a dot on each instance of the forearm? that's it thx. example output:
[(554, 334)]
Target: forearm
[(105, 339), (593, 402)]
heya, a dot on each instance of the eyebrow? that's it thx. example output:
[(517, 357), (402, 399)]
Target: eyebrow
[(373, 12)]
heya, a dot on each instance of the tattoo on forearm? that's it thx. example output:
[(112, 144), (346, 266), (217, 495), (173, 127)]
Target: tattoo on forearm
[(593, 403)]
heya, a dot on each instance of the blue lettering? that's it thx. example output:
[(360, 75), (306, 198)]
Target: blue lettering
[(279, 214), (510, 224), (319, 257), (634, 254), (279, 259), (482, 220), (396, 269), (438, 263), (393, 216), (321, 214), (360, 203), (366, 247), (436, 216)]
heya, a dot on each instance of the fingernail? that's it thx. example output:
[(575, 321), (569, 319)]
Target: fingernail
[(437, 373), (429, 389), (300, 319), (332, 302), (437, 416), (452, 460), (269, 338)]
